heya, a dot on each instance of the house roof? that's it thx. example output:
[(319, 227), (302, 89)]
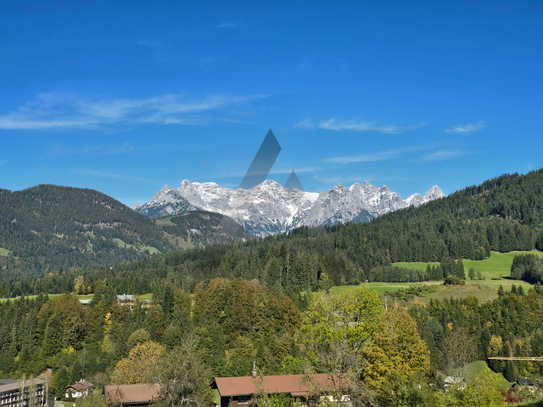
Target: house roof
[(296, 385), (528, 382), (454, 380), (125, 297), (80, 386), (132, 393), (16, 384), (45, 374)]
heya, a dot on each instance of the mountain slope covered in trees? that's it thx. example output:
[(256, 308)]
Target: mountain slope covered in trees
[(48, 228)]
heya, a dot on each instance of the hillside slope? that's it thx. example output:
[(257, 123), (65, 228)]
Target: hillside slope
[(48, 227)]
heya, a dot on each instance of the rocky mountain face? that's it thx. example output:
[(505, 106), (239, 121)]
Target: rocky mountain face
[(271, 208)]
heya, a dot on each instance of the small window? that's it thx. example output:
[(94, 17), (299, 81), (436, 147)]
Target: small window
[(243, 399)]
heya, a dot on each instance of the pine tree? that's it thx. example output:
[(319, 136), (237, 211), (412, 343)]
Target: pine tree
[(459, 270), (52, 342), (168, 302), (510, 374)]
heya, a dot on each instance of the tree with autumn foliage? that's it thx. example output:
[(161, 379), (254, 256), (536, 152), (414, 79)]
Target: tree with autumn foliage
[(482, 391), (397, 347), (140, 365), (183, 378), (352, 316), (336, 327)]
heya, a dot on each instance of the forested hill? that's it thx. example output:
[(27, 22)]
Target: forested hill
[(510, 197), (502, 214), (48, 228)]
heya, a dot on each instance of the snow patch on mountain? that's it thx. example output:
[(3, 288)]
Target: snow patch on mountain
[(271, 208)]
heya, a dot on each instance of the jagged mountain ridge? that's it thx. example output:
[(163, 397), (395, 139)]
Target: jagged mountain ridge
[(271, 208)]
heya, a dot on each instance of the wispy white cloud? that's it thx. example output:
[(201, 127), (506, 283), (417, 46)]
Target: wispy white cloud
[(353, 125), (100, 149), (468, 128), (376, 156), (58, 110), (306, 124), (114, 176), (441, 155)]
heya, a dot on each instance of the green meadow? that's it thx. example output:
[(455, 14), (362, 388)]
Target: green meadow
[(497, 266), (495, 271), (121, 243), (4, 252), (483, 292)]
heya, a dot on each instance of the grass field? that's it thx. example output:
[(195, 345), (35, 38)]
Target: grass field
[(152, 250), (482, 292), (382, 287), (498, 265), (120, 243), (4, 252), (30, 297), (485, 291)]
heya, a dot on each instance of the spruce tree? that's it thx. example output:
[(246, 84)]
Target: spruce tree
[(52, 342), (510, 374), (459, 270)]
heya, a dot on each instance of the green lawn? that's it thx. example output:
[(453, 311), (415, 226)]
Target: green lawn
[(4, 252)]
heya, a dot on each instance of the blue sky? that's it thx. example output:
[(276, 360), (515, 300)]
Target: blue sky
[(127, 96)]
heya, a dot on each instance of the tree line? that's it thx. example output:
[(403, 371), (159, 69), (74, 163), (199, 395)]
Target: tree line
[(393, 357)]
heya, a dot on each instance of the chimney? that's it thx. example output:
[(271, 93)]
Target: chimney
[(253, 372)]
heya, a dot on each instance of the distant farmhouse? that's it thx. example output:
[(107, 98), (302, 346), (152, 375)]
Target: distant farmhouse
[(78, 390), (238, 391)]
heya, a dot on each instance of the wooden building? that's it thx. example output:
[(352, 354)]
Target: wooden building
[(132, 395), (237, 391)]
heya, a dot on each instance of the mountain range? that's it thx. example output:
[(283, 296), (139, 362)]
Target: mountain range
[(270, 208)]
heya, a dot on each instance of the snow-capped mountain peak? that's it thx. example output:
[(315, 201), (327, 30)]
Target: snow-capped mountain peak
[(271, 208)]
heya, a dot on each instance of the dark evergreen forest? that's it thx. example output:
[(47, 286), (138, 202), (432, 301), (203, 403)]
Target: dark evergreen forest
[(48, 228)]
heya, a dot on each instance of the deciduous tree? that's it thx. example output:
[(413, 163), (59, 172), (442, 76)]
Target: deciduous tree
[(141, 364)]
